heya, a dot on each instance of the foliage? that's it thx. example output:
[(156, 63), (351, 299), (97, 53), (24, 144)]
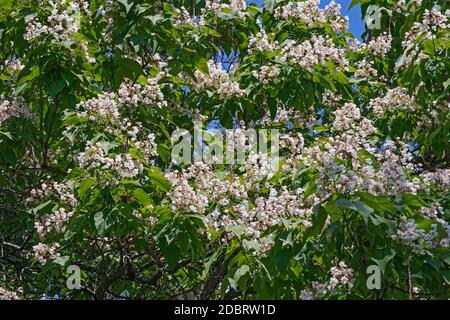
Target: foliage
[(91, 91)]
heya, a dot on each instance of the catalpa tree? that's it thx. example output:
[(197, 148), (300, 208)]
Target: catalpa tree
[(132, 166)]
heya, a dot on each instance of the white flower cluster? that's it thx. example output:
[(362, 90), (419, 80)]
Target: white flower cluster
[(394, 99), (226, 201), (317, 291), (185, 18), (62, 191), (366, 70), (420, 240), (261, 43), (123, 165), (439, 177), (270, 211), (256, 167), (341, 275), (237, 7), (316, 51), (432, 116), (8, 295), (309, 12), (266, 73), (387, 176), (151, 221), (14, 66), (218, 78), (331, 99), (432, 21), (60, 24), (100, 108), (131, 94), (293, 142), (381, 45), (290, 116), (341, 278), (56, 221), (345, 117), (44, 252), (16, 107)]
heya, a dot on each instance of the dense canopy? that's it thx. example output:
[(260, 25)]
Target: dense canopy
[(91, 92)]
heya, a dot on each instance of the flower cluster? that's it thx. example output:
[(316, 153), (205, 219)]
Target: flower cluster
[(341, 275), (237, 7), (345, 117), (53, 222), (377, 170), (16, 107), (8, 295), (185, 18), (341, 278), (62, 191), (420, 240), (381, 45), (44, 252), (366, 70), (261, 43), (131, 94), (100, 108), (122, 164), (421, 31), (218, 78), (316, 51), (60, 24), (266, 73), (310, 13), (394, 99)]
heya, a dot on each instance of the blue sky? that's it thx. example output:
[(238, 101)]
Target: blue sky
[(356, 24)]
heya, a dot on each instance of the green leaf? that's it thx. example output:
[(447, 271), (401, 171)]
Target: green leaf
[(126, 5), (85, 185), (358, 206), (56, 87), (240, 272), (354, 3), (237, 230), (318, 221), (159, 180), (378, 203), (143, 198), (269, 5), (382, 257), (413, 201), (172, 255), (446, 276)]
